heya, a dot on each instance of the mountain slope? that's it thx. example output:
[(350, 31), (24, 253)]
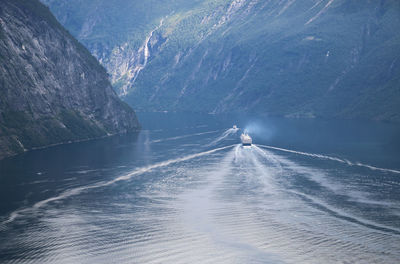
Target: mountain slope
[(327, 58), (52, 90)]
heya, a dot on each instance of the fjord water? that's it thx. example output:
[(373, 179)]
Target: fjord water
[(183, 190)]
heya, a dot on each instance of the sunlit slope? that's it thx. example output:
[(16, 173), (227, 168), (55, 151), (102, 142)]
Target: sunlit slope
[(330, 58)]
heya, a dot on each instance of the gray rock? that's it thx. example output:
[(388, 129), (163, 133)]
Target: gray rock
[(52, 90)]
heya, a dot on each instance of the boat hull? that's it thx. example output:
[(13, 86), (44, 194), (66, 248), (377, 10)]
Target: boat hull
[(246, 139)]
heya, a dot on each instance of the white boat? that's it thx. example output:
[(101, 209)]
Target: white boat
[(246, 139)]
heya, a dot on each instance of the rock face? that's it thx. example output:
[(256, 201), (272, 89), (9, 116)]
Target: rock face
[(52, 90), (295, 58)]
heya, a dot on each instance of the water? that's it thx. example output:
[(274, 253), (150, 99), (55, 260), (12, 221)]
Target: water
[(184, 191)]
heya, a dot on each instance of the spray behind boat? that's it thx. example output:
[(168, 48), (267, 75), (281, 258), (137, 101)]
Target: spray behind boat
[(246, 139), (231, 131)]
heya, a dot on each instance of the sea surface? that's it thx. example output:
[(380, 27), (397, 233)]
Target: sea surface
[(184, 190)]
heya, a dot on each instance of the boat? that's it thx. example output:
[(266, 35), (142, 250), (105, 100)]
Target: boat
[(246, 139)]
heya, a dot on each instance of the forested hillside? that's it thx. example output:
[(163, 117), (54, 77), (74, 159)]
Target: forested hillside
[(311, 58)]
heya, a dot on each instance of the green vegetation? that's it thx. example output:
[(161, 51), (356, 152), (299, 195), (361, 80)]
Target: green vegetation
[(52, 90), (286, 58), (79, 126), (114, 22), (69, 126)]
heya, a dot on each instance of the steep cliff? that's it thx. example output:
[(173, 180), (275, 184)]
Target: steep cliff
[(296, 58), (52, 90)]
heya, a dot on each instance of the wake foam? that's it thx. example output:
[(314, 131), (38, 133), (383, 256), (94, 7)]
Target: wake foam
[(224, 135), (183, 136), (321, 205), (344, 161), (125, 177)]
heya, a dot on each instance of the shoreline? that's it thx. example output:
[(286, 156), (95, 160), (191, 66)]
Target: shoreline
[(66, 143)]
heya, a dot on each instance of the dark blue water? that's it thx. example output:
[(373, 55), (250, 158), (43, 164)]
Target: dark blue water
[(183, 190)]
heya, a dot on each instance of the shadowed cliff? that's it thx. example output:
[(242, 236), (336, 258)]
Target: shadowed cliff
[(52, 90)]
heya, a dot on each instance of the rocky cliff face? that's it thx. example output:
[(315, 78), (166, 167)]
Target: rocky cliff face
[(52, 90), (295, 58)]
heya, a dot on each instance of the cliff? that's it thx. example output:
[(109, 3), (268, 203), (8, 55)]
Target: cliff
[(52, 90), (295, 58)]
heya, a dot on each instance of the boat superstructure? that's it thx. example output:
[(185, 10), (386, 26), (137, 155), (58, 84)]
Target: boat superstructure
[(246, 139)]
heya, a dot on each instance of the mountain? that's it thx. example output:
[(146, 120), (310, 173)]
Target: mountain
[(294, 58), (52, 90)]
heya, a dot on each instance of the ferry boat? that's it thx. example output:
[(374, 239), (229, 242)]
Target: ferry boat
[(246, 139)]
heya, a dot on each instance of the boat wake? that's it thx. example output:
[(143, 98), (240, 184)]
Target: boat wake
[(182, 137), (226, 134), (344, 161), (336, 188), (231, 204), (126, 177), (250, 196)]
